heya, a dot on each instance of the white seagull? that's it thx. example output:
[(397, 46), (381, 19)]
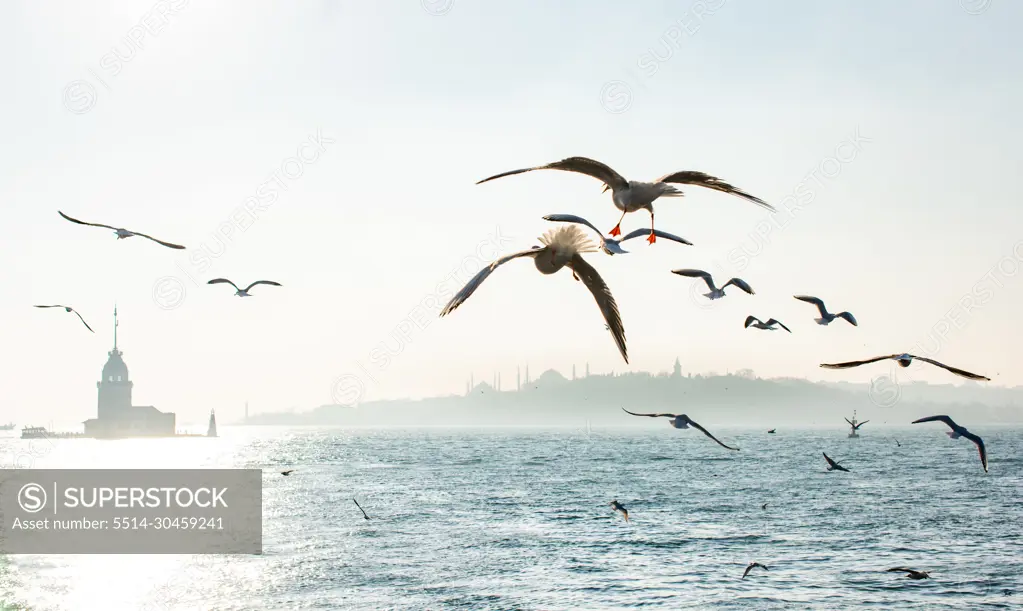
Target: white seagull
[(242, 292), (904, 360), (67, 309), (715, 293), (632, 195), (682, 421), (957, 432), (562, 247), (753, 321), (826, 316), (122, 233), (610, 245)]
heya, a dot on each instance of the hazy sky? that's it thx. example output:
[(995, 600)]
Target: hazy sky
[(892, 128)]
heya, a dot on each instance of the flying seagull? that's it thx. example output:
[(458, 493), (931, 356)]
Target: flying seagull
[(615, 505), (288, 472), (67, 309), (768, 326), (856, 427), (957, 432), (897, 443), (715, 293), (764, 506), (911, 573), (904, 360), (610, 245), (832, 465), (631, 195), (752, 565), (682, 421), (772, 431), (122, 233), (242, 292), (562, 247), (361, 509), (826, 316)]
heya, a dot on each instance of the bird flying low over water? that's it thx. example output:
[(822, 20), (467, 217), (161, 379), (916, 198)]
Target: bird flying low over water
[(123, 233), (832, 465), (911, 573), (772, 431), (67, 309), (245, 291), (288, 472), (856, 427), (361, 509), (768, 326), (615, 505), (826, 317), (904, 360), (631, 195), (715, 293), (562, 247), (612, 246), (957, 432), (751, 566), (682, 421)]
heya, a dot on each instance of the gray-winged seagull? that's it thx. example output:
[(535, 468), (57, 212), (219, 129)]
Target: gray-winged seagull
[(122, 233)]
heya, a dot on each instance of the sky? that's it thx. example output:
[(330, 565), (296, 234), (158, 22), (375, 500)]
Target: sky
[(334, 146)]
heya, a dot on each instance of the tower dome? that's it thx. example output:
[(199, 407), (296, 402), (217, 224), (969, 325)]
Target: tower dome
[(115, 370)]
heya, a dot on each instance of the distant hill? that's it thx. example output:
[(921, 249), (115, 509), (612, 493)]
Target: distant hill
[(738, 399)]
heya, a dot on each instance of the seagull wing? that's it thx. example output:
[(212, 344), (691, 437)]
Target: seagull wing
[(900, 569), (749, 321), (847, 420), (361, 509), (657, 232), (701, 179), (270, 282), (475, 282), (161, 242), (581, 165), (605, 300), (696, 273), (775, 321), (851, 364), (952, 425), (849, 317), (224, 281), (980, 447), (746, 572), (815, 301), (84, 223), (83, 320), (571, 218), (859, 424), (650, 415), (830, 462), (958, 372), (707, 433), (739, 282)]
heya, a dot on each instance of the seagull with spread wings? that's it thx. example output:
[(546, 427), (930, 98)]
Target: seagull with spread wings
[(957, 432), (753, 321), (242, 292), (752, 565), (631, 195), (832, 465), (826, 316), (562, 247), (610, 245), (68, 309), (856, 427), (122, 233), (904, 360), (715, 292), (682, 421)]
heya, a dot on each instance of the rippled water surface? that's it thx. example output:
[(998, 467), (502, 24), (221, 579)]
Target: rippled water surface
[(519, 519)]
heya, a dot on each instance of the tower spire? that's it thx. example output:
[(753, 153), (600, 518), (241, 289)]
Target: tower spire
[(115, 327)]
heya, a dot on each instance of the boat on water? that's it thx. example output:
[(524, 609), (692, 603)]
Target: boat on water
[(855, 426), (7, 427), (40, 432)]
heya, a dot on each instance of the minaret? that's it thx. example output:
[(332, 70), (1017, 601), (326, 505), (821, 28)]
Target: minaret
[(527, 374), (587, 369), (246, 411), (677, 373), (573, 371), (472, 382), (498, 380), (518, 378)]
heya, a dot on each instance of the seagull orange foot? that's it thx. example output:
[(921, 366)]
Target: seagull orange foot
[(652, 238), (617, 230)]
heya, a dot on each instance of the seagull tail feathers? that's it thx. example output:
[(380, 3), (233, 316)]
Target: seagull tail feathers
[(568, 239)]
